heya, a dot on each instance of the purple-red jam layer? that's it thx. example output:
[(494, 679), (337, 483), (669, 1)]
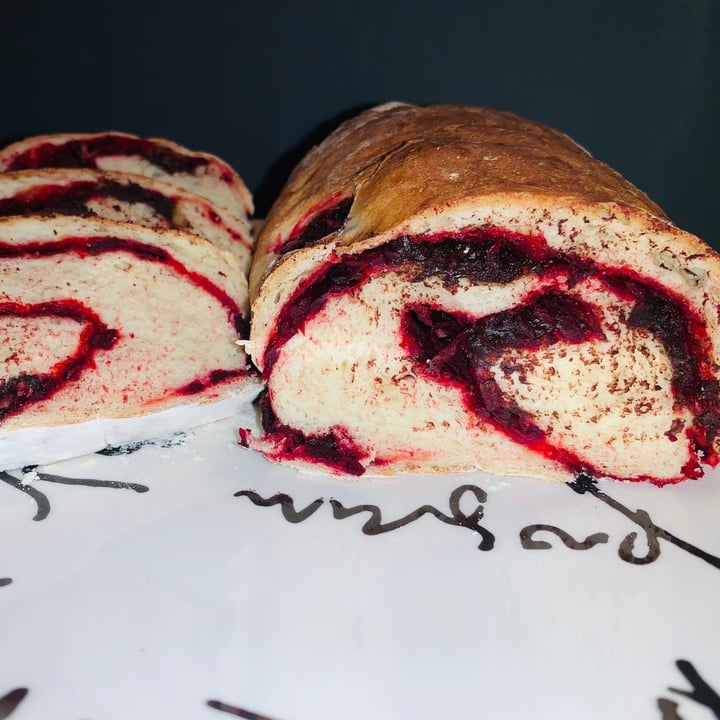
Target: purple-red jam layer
[(333, 449), (95, 245), (83, 153), (73, 198), (321, 222), (458, 350), (100, 336), (454, 349), (27, 388)]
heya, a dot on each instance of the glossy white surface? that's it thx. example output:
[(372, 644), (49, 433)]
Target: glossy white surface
[(125, 604)]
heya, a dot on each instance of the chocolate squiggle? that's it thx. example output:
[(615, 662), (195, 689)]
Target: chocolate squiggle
[(42, 501), (529, 543), (374, 525), (702, 693), (653, 533), (236, 711), (10, 701)]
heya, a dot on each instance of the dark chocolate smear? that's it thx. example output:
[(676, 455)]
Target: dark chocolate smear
[(10, 701)]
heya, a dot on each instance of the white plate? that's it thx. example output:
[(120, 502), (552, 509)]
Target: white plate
[(188, 601)]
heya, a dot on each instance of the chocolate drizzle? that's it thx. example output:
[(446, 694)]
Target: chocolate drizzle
[(42, 501), (236, 711), (374, 524), (132, 447), (653, 533), (529, 543), (701, 692), (10, 701)]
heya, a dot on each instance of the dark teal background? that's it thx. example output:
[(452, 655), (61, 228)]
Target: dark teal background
[(635, 82)]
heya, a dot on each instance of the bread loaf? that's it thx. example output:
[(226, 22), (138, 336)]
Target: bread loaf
[(447, 288), (124, 293), (113, 332)]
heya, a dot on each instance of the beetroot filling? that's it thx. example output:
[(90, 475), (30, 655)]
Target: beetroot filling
[(72, 199), (18, 392), (26, 388), (95, 245), (456, 349), (332, 449), (462, 350), (84, 154), (322, 224)]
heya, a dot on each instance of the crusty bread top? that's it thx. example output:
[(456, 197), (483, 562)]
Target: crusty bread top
[(399, 160)]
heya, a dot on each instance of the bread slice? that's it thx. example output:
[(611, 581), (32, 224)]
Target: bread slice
[(447, 288), (125, 198), (199, 173), (113, 332)]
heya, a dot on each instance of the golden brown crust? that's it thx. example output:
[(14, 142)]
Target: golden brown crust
[(399, 161)]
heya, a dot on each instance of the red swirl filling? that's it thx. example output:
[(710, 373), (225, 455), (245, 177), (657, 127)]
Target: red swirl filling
[(320, 222), (84, 152), (73, 198), (25, 388), (20, 391), (458, 350)]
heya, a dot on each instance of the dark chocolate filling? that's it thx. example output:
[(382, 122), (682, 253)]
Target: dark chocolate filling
[(72, 198), (332, 449), (323, 223), (83, 153), (462, 350), (457, 349)]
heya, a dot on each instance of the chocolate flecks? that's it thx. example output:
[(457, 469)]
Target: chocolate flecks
[(462, 350), (491, 255), (10, 701), (129, 448), (26, 388)]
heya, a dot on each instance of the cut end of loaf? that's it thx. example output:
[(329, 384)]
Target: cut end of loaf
[(484, 348)]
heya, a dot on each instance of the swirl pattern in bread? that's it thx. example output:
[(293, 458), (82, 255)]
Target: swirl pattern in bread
[(446, 288)]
